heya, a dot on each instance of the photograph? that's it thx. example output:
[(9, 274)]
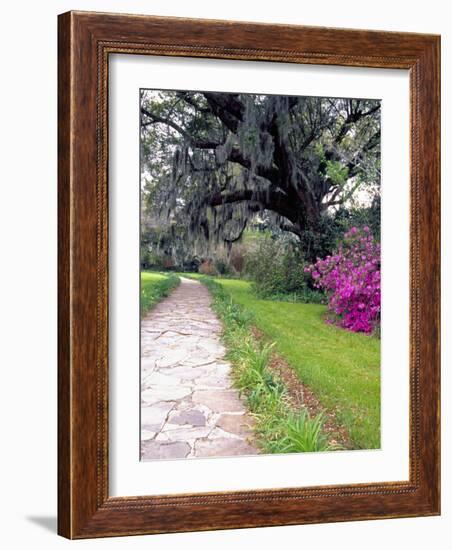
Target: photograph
[(260, 272), (248, 271)]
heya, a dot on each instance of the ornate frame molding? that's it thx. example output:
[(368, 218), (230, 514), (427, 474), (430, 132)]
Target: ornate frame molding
[(85, 42)]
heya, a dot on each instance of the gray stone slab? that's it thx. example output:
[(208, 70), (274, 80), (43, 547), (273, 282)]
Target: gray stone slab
[(206, 382), (184, 373), (219, 400), (153, 417), (162, 380), (192, 417), (223, 447), (165, 393), (164, 450), (239, 424), (187, 433)]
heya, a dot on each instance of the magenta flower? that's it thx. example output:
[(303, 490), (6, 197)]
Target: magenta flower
[(351, 279)]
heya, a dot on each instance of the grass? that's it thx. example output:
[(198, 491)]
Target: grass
[(154, 287), (342, 368), (279, 428), (301, 433)]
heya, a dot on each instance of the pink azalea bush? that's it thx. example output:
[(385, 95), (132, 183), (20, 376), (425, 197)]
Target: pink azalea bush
[(351, 279)]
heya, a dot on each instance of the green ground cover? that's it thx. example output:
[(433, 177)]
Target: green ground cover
[(342, 368), (278, 426), (154, 287)]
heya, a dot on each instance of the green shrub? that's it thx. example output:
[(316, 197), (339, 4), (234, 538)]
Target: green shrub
[(222, 267), (276, 268), (303, 296), (237, 258), (207, 267)]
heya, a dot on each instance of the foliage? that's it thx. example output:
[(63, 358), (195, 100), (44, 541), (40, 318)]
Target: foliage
[(154, 287), (304, 296), (223, 267), (162, 247), (300, 433), (237, 257), (213, 162), (341, 367), (207, 267), (275, 265), (359, 216), (351, 277), (145, 256), (329, 233), (279, 428)]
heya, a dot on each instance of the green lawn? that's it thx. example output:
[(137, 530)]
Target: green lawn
[(154, 287), (342, 368)]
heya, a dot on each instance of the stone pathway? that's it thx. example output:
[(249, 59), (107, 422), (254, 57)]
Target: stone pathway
[(188, 406)]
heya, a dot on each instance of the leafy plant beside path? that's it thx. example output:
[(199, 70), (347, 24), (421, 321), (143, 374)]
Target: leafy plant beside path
[(279, 428), (341, 368), (155, 287)]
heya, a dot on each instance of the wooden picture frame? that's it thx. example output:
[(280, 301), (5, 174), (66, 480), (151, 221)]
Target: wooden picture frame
[(86, 40)]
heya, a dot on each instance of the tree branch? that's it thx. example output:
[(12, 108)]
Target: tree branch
[(199, 144), (189, 99), (290, 227), (352, 118), (354, 165), (227, 108), (263, 200)]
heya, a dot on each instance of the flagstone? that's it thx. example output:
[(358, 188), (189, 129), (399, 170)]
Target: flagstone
[(219, 400), (147, 434), (187, 433), (162, 380), (236, 424), (168, 450), (192, 417), (148, 362), (171, 357), (154, 394), (184, 373), (154, 416), (209, 382), (219, 433), (189, 407), (223, 447)]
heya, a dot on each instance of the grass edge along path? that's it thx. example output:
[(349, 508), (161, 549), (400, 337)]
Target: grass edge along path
[(278, 427), (154, 287), (340, 367)]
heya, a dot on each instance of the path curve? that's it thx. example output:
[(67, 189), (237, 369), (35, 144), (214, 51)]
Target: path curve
[(188, 405)]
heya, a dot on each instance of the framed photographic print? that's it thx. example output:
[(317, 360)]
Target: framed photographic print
[(248, 275)]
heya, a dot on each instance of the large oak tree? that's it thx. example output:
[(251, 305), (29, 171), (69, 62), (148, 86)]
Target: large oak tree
[(212, 162)]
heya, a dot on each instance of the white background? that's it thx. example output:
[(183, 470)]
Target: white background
[(128, 476), (28, 271)]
